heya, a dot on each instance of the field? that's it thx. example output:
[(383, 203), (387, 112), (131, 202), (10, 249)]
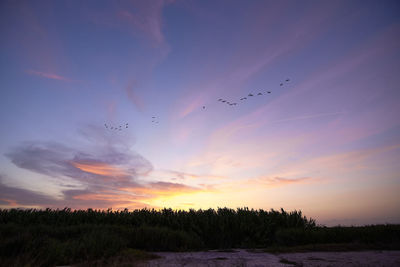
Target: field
[(62, 237)]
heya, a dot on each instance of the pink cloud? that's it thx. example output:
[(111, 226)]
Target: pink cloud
[(137, 17), (48, 75), (111, 109), (190, 107), (350, 160), (147, 19), (279, 181), (133, 97)]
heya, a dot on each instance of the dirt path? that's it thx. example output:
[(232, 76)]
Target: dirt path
[(245, 258)]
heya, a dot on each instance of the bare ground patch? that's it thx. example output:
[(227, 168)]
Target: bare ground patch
[(241, 257)]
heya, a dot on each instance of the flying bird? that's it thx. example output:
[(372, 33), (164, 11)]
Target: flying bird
[(259, 94), (250, 95), (269, 92), (220, 99), (243, 98), (281, 84), (287, 80), (223, 101), (204, 107)]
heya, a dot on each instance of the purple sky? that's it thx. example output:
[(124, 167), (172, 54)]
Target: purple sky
[(326, 142)]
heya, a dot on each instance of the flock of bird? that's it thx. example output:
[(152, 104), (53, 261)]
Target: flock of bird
[(245, 98), (116, 128), (154, 119)]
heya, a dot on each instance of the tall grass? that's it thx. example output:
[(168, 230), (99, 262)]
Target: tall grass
[(59, 237)]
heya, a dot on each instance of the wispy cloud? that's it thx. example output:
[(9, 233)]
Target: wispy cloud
[(311, 116), (137, 17), (279, 181), (133, 96), (12, 196), (146, 18), (169, 175), (48, 75)]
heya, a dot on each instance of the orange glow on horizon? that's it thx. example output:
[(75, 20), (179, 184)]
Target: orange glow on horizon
[(168, 191)]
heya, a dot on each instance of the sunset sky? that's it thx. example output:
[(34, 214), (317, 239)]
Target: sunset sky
[(326, 142)]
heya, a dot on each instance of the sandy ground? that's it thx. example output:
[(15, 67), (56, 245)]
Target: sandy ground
[(245, 258)]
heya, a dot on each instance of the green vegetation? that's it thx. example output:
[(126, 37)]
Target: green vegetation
[(61, 237)]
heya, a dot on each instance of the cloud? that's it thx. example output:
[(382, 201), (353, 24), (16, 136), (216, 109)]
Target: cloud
[(57, 160), (133, 97), (136, 17), (47, 75), (280, 181), (349, 160), (171, 174), (311, 116), (108, 174), (99, 168), (13, 197), (145, 18)]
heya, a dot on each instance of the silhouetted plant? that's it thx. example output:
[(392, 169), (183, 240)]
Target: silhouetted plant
[(60, 237)]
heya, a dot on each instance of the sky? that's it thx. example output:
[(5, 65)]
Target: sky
[(80, 83)]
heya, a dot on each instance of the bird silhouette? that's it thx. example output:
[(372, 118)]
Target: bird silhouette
[(281, 84), (204, 107), (250, 95), (269, 92), (259, 94), (223, 101), (220, 99), (287, 80)]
